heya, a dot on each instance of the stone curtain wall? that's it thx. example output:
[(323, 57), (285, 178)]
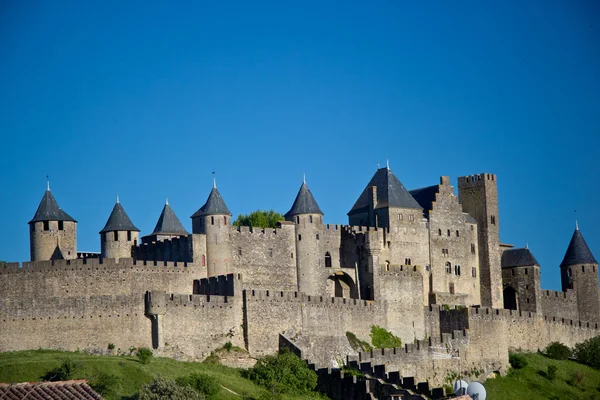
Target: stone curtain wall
[(560, 304)]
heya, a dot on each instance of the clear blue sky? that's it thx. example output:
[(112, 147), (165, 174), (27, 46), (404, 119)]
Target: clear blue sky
[(146, 99)]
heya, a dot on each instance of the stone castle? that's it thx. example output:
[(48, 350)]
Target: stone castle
[(425, 264)]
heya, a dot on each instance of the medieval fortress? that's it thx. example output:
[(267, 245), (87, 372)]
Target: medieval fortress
[(426, 264)]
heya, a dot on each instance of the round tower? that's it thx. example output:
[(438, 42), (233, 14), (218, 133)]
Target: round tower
[(213, 219), (119, 234), (52, 232), (579, 271), (308, 217)]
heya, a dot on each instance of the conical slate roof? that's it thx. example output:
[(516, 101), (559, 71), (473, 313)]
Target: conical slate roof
[(518, 258), (214, 205), (48, 210), (119, 220), (305, 203), (390, 193), (578, 251), (168, 223)]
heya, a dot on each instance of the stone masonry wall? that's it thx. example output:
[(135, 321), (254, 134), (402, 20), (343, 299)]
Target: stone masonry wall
[(559, 304)]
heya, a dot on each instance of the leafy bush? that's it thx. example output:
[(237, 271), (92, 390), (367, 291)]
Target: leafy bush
[(259, 218), (144, 354), (588, 352), (204, 384), (383, 339), (558, 351), (111, 346), (284, 373), (160, 388), (356, 343), (64, 372), (517, 361), (551, 374), (105, 384), (228, 346)]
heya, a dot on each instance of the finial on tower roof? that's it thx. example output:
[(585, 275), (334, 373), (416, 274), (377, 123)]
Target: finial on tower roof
[(304, 177), (118, 198), (47, 183), (526, 245), (387, 163), (378, 165), (214, 180), (167, 201), (576, 224)]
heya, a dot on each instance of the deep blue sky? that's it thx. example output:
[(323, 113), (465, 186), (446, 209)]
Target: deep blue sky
[(146, 99)]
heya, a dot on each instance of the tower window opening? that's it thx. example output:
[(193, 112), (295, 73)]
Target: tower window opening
[(212, 220), (439, 232), (61, 225), (472, 248), (203, 260), (225, 220), (115, 235), (298, 219), (407, 261), (327, 260), (474, 272), (299, 237), (448, 267), (593, 268), (310, 219), (457, 233), (317, 236), (457, 270), (129, 236), (239, 251), (493, 219), (569, 273), (451, 287), (46, 225), (472, 227), (583, 268), (448, 232)]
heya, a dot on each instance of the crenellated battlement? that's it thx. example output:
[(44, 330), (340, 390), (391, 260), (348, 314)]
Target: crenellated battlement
[(475, 180), (262, 232), (221, 285), (400, 270), (569, 295), (298, 297)]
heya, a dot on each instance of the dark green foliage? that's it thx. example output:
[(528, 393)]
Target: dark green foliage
[(64, 372), (356, 343), (160, 388), (383, 339), (259, 218), (111, 346), (144, 354), (588, 352), (284, 373), (105, 384), (352, 371), (558, 351), (517, 361), (202, 383), (228, 346), (551, 374)]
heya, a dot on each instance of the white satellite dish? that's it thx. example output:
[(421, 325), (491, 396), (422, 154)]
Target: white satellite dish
[(460, 387), (476, 391)]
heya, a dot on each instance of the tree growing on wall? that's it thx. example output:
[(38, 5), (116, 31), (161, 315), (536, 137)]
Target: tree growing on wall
[(259, 218)]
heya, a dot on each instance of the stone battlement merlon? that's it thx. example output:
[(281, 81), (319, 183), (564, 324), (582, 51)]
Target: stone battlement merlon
[(155, 299), (495, 313), (264, 232), (475, 180), (298, 297)]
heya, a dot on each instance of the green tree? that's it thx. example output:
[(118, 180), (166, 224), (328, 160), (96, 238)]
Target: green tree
[(160, 388), (64, 372), (517, 361), (259, 218), (144, 354), (284, 373), (384, 339), (588, 352), (105, 384), (558, 351)]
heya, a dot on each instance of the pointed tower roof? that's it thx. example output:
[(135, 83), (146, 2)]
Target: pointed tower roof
[(578, 251), (214, 205), (390, 193), (305, 203), (48, 210), (168, 223), (118, 220)]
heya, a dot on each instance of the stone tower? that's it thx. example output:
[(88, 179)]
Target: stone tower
[(579, 271), (167, 227), (52, 232), (308, 217), (213, 219), (521, 279), (119, 234), (478, 195)]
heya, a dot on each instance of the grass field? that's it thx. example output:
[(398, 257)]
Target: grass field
[(30, 366), (573, 381)]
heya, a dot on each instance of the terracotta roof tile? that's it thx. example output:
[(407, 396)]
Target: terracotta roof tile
[(64, 390)]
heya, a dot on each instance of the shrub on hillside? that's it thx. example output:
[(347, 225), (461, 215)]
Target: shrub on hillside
[(203, 384), (144, 354), (105, 384), (283, 373), (160, 388), (551, 374), (558, 351), (64, 372), (588, 352), (517, 361), (383, 339)]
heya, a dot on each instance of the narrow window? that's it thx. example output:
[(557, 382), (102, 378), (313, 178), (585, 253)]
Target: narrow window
[(298, 219), (427, 268), (212, 220), (448, 232), (129, 236), (317, 236), (471, 227), (472, 248), (299, 237), (493, 219), (448, 267), (474, 272), (61, 225), (451, 288), (327, 260), (239, 251), (46, 225), (527, 300), (115, 235), (569, 272), (225, 220), (526, 271), (203, 260), (310, 219), (439, 232), (270, 252), (593, 268), (457, 233), (291, 255), (583, 268)]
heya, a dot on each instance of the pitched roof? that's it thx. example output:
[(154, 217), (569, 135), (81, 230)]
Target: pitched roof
[(118, 220), (305, 203), (390, 193), (425, 197), (168, 223), (214, 205), (578, 251), (518, 258), (48, 210), (48, 390)]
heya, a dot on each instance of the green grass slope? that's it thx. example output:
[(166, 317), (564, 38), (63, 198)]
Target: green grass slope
[(573, 381), (30, 366)]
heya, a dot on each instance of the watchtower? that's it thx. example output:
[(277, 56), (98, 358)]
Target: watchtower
[(119, 234), (521, 279)]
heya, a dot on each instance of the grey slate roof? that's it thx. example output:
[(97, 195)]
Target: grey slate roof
[(305, 203), (214, 205), (119, 221), (578, 251), (390, 193), (425, 197), (518, 258), (168, 223), (48, 210)]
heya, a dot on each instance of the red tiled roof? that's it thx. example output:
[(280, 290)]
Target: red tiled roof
[(67, 390)]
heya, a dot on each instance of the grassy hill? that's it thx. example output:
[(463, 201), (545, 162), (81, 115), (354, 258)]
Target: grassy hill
[(573, 381), (30, 366)]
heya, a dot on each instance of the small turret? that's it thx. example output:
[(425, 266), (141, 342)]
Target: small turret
[(52, 232), (213, 220), (579, 271), (308, 217), (167, 227), (119, 234)]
